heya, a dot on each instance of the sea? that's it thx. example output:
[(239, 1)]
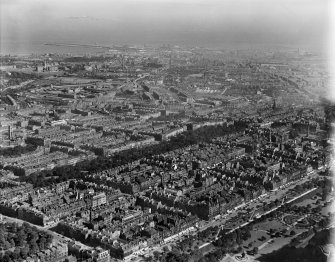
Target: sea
[(23, 49)]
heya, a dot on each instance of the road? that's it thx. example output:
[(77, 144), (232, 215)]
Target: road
[(19, 85), (134, 82), (224, 91)]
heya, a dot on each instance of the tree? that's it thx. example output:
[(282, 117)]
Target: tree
[(238, 236), (324, 194), (33, 248), (7, 245), (24, 251), (6, 258), (12, 243), (277, 234), (175, 249), (219, 242), (255, 250), (21, 237), (246, 234), (42, 243), (156, 255), (292, 233), (16, 253), (166, 249), (262, 238), (2, 238), (211, 258), (239, 249)]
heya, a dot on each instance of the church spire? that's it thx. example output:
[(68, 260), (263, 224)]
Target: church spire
[(274, 106)]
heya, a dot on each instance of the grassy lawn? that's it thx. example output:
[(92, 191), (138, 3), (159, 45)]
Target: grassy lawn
[(306, 202), (260, 235), (279, 242), (268, 224), (254, 240), (330, 207)]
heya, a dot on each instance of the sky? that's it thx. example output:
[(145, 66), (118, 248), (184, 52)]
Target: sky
[(192, 22)]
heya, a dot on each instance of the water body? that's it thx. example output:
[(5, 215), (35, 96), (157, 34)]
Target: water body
[(24, 48)]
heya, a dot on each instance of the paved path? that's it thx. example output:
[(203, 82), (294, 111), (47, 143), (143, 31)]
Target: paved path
[(19, 85)]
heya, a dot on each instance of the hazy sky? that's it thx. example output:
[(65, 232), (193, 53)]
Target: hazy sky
[(198, 22)]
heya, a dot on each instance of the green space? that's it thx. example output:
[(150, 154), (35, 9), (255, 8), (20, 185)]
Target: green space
[(310, 253), (20, 241)]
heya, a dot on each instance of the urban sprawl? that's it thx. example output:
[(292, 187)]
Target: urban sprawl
[(165, 153)]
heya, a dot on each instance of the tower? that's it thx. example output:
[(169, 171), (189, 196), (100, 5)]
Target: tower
[(170, 62), (10, 132), (274, 106), (308, 129), (205, 75)]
